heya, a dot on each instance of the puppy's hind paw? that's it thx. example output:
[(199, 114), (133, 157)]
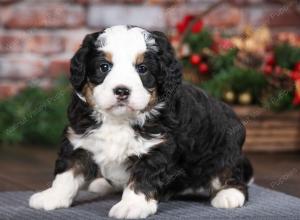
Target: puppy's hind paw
[(228, 198)]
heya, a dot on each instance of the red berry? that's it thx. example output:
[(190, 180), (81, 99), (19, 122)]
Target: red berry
[(270, 60), (267, 69), (203, 68), (297, 66), (295, 75), (195, 59), (181, 26), (197, 27)]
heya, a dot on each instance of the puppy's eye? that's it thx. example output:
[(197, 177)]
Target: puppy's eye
[(105, 67), (141, 69)]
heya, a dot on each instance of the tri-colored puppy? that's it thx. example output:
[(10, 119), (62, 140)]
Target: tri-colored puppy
[(135, 127)]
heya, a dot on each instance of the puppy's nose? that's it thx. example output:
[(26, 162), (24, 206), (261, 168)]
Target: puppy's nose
[(121, 92)]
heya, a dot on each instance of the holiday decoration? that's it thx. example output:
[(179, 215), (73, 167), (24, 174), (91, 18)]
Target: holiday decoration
[(296, 100), (245, 98), (229, 96), (197, 27), (203, 68), (297, 66), (195, 59), (267, 69), (247, 68)]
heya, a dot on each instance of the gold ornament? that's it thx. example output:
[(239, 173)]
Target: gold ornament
[(245, 98), (229, 96)]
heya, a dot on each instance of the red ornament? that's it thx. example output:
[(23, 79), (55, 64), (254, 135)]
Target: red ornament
[(297, 66), (203, 68), (195, 59), (188, 18), (181, 26), (295, 75), (267, 69), (270, 60), (296, 100), (197, 27)]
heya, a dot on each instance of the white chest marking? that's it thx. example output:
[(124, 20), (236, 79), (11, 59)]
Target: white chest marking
[(111, 145)]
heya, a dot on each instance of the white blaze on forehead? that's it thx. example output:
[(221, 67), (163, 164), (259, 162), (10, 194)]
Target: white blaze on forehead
[(122, 41)]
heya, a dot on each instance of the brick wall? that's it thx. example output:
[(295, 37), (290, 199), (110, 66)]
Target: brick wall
[(38, 37)]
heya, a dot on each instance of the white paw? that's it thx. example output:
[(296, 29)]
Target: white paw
[(49, 200), (124, 209), (101, 187), (228, 198)]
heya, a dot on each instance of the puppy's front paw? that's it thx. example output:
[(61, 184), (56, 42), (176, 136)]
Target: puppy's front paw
[(49, 200), (228, 198), (132, 210)]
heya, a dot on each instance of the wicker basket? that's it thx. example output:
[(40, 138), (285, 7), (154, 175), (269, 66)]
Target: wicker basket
[(269, 131)]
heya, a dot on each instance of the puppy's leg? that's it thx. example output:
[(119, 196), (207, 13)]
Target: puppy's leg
[(60, 195), (133, 205), (228, 191), (71, 173), (150, 179)]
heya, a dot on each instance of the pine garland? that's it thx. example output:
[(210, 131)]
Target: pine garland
[(34, 116)]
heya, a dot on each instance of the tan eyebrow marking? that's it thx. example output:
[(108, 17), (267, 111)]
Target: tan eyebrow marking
[(139, 58), (108, 56)]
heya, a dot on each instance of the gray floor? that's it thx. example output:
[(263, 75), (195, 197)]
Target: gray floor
[(263, 204)]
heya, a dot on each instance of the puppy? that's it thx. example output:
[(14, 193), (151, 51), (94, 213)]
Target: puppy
[(135, 127)]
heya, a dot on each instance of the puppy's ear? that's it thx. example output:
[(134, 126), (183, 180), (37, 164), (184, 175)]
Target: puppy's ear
[(171, 72), (78, 62)]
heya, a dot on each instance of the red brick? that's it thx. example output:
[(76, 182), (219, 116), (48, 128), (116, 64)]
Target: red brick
[(73, 39), (52, 15), (85, 2), (21, 68), (147, 16), (43, 83), (59, 67), (11, 43), (73, 44), (246, 2), (7, 2), (46, 44), (8, 88), (284, 16), (224, 17), (4, 12)]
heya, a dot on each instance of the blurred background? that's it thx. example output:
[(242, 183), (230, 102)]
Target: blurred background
[(244, 52)]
